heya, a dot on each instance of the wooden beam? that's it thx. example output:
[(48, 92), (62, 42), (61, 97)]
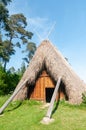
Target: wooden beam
[(12, 96), (49, 112)]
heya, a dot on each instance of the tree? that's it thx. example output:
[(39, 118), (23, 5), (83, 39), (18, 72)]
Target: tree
[(13, 27), (3, 18), (5, 2), (6, 50), (4, 13), (3, 85), (8, 81), (17, 29), (23, 68), (12, 70), (30, 50)]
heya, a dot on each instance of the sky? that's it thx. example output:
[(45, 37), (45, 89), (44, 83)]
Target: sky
[(63, 20)]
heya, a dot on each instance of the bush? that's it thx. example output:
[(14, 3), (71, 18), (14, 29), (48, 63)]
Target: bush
[(8, 81), (84, 98), (3, 84)]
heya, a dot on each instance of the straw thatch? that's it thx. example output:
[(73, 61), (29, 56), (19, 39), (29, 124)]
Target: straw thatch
[(56, 65)]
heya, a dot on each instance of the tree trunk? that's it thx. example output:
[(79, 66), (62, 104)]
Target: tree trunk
[(49, 112), (11, 98)]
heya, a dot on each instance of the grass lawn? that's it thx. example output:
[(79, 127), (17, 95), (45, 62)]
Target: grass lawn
[(28, 114)]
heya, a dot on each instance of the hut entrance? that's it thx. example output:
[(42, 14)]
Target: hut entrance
[(44, 88), (49, 93)]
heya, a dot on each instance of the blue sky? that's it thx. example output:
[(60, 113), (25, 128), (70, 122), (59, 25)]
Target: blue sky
[(68, 35)]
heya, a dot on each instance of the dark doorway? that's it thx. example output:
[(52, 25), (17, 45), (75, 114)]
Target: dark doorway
[(30, 91), (49, 93)]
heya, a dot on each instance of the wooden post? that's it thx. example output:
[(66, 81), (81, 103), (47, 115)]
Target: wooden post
[(11, 98), (49, 112)]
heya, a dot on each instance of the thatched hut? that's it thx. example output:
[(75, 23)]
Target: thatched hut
[(43, 72)]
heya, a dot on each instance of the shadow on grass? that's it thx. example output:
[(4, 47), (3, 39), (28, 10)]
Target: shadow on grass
[(13, 106), (55, 108)]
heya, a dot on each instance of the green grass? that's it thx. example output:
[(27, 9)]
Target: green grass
[(28, 114)]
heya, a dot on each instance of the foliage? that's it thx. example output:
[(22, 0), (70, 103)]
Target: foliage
[(8, 81), (84, 98), (16, 28), (13, 27), (13, 33), (5, 2), (6, 50), (3, 17), (3, 84), (21, 70), (30, 49), (28, 116)]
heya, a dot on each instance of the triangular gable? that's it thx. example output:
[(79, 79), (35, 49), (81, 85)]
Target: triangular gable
[(56, 65)]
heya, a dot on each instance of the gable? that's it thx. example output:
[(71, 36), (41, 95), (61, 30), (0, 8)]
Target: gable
[(56, 65)]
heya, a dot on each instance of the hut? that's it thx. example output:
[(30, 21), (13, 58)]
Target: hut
[(46, 66)]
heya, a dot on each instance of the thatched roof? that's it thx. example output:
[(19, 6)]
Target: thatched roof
[(56, 65)]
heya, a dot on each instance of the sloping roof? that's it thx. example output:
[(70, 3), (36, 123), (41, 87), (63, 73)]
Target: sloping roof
[(56, 65)]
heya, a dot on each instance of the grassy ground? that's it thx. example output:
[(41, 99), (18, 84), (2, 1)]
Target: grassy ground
[(28, 114)]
